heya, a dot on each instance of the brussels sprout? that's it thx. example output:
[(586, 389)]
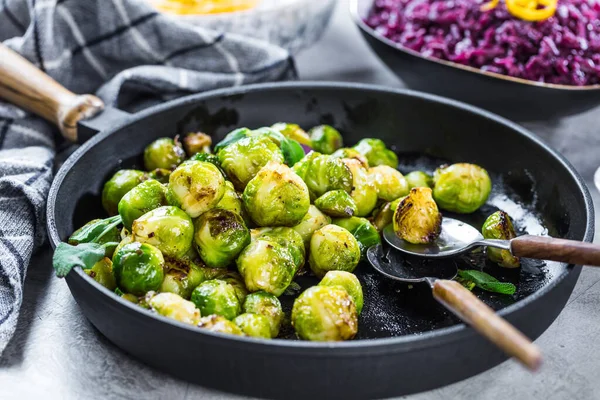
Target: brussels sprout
[(266, 265), (196, 142), (288, 239), (242, 160), (168, 228), (117, 186), (216, 323), (461, 188), (499, 226), (196, 187), (220, 235), (417, 219), (126, 240), (232, 201), (313, 220), (173, 306), (235, 280), (183, 277), (364, 192), (419, 179), (254, 325), (138, 268), (276, 196), (323, 173), (363, 231), (389, 182), (325, 139), (385, 215), (161, 175), (130, 297), (352, 154), (333, 248), (145, 197), (336, 203), (163, 153), (293, 131), (292, 150), (325, 313), (349, 282), (377, 153), (102, 272), (268, 305), (216, 297)]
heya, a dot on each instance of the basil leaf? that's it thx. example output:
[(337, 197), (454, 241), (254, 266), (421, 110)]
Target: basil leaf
[(94, 231), (232, 137), (84, 255), (487, 282), (292, 151)]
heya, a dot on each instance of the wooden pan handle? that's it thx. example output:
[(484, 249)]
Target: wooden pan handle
[(22, 84), (548, 248), (483, 319)]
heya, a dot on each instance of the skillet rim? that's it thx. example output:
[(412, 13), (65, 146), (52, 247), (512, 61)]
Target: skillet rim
[(434, 338)]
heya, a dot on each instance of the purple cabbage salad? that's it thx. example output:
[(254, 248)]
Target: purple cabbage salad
[(563, 49)]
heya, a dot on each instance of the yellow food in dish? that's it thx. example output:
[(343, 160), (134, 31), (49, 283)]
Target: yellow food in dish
[(188, 7), (527, 10)]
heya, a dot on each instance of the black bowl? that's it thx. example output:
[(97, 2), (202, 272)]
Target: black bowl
[(514, 98)]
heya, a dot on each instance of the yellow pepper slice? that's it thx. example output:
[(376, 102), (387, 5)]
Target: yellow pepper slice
[(527, 10)]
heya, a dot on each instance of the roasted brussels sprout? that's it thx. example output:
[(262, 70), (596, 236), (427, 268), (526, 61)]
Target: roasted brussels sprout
[(352, 154), (216, 297), (325, 313), (336, 203), (276, 196), (377, 153), (364, 192), (161, 175), (385, 214), (163, 153), (182, 277), (242, 160), (419, 179), (293, 131), (216, 323), (389, 182), (313, 220), (499, 226), (461, 188), (325, 139), (235, 280), (117, 186), (173, 306), (145, 197), (220, 235), (102, 272), (417, 219), (232, 201), (168, 228), (196, 142), (254, 325), (323, 173), (196, 187), (138, 268), (333, 248), (268, 305), (363, 231), (289, 239), (349, 282), (266, 265)]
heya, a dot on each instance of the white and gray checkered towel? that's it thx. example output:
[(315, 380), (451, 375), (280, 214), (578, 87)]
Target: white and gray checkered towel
[(130, 56)]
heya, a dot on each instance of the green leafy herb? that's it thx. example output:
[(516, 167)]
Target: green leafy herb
[(84, 255), (119, 292), (94, 231), (487, 282), (292, 151), (232, 137)]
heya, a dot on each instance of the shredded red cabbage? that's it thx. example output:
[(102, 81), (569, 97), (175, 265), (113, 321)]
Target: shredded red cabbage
[(564, 49)]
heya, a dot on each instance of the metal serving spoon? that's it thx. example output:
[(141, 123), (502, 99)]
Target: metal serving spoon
[(458, 237)]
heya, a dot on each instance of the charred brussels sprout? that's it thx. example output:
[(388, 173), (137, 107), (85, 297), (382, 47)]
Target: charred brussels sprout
[(417, 219), (266, 265), (220, 235), (333, 248), (499, 226), (168, 228), (254, 325), (336, 203), (377, 153), (161, 175), (117, 186), (232, 201), (385, 215), (293, 131), (216, 323), (163, 153), (325, 313), (235, 280), (363, 231), (138, 268), (364, 192), (323, 173), (242, 160), (138, 201), (389, 182), (352, 154), (268, 305), (325, 139), (102, 272), (290, 240), (461, 188), (276, 196), (173, 306), (182, 277), (349, 282), (196, 187), (196, 142), (216, 297), (313, 220), (419, 179)]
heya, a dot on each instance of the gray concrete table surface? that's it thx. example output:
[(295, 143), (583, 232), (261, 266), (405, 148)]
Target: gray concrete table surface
[(57, 354)]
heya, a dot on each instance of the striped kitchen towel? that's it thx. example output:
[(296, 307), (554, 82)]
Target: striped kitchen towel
[(129, 55)]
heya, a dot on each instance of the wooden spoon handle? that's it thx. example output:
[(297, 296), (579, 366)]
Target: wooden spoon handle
[(548, 248), (22, 84), (483, 319)]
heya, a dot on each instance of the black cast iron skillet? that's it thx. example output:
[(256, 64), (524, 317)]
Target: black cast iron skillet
[(406, 342), (514, 98)]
